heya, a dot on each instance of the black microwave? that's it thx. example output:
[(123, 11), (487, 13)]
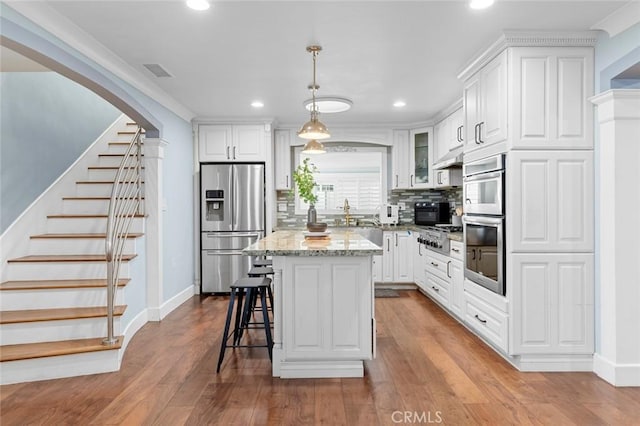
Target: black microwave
[(429, 214)]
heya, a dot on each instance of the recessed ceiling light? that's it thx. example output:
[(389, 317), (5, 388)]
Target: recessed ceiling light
[(480, 4), (329, 104), (399, 104), (198, 4), (257, 104)]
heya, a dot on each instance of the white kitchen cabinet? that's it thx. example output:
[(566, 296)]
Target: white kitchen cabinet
[(456, 279), (486, 320), (400, 178), (419, 260), (397, 256), (438, 289), (449, 134), (456, 129), (421, 158), (553, 300), (442, 136), (485, 103), (447, 178), (229, 143), (550, 201), (376, 273), (403, 256), (551, 98), (283, 159)]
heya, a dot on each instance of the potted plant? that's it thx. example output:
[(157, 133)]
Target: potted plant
[(305, 183)]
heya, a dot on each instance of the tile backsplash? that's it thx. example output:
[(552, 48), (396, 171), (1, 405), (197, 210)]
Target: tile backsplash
[(289, 219)]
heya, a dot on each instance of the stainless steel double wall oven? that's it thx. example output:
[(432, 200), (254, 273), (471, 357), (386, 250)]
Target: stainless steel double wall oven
[(483, 222)]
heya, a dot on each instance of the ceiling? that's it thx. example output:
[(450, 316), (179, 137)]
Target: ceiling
[(374, 52)]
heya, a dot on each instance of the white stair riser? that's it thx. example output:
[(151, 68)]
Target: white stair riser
[(74, 246), (61, 270), (104, 174), (51, 331), (87, 225), (109, 161), (119, 149), (15, 300), (75, 206), (96, 189), (56, 367)]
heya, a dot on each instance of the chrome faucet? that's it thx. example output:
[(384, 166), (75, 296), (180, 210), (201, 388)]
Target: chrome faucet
[(345, 207)]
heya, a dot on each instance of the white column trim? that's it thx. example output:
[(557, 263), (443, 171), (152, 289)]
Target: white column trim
[(153, 208), (617, 359)]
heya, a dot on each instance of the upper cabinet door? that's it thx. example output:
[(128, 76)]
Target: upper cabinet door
[(248, 143), (552, 104), (456, 129), (400, 178), (421, 158), (283, 159), (493, 124), (232, 143), (471, 114), (441, 132), (214, 142)]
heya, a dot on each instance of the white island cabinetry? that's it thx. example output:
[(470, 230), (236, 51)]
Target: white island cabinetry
[(324, 323)]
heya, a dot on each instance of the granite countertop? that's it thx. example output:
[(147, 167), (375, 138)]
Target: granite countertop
[(293, 243)]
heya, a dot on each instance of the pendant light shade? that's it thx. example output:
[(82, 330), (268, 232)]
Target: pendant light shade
[(313, 147), (314, 129)]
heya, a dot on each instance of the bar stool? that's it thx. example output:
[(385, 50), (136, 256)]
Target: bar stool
[(262, 262), (251, 286), (262, 271)]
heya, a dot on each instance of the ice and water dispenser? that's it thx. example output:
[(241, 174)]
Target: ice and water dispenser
[(214, 200)]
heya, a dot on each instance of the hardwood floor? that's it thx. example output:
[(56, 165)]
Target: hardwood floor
[(428, 366)]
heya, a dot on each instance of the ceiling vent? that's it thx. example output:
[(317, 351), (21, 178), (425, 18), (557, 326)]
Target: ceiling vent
[(157, 70)]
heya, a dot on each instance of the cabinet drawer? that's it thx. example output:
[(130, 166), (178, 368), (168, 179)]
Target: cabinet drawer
[(438, 289), (487, 321), (436, 264), (456, 250)]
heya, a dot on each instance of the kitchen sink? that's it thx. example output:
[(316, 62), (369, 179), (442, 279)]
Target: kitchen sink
[(370, 233)]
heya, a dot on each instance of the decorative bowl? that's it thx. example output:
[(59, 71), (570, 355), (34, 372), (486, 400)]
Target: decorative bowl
[(317, 227)]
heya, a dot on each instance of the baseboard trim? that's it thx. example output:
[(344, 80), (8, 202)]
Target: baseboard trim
[(132, 328), (623, 375), (156, 314)]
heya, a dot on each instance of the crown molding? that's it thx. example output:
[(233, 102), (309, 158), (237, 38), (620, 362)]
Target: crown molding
[(48, 19), (620, 19), (528, 39)]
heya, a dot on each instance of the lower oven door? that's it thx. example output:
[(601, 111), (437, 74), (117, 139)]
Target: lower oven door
[(484, 243)]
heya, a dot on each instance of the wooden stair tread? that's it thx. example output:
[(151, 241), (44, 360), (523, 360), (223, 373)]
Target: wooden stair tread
[(73, 236), (47, 349), (110, 167), (57, 284), (116, 155), (67, 258), (103, 182), (128, 132), (83, 216), (56, 314), (90, 198)]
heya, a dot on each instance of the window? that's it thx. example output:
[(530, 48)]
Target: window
[(347, 172)]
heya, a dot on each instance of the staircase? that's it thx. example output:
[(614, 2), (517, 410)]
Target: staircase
[(53, 315)]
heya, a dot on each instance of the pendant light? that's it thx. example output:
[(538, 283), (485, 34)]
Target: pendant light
[(313, 147), (314, 129)]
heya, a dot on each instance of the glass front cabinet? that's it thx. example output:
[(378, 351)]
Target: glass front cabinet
[(421, 157)]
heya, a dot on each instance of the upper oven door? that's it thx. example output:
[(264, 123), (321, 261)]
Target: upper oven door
[(483, 194)]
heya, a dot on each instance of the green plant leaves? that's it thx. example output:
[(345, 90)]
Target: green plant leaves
[(304, 181)]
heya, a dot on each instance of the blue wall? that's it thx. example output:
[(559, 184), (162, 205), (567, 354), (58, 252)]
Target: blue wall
[(178, 253), (46, 122)]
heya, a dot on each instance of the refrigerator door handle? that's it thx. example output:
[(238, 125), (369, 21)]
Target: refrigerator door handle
[(235, 234), (223, 252)]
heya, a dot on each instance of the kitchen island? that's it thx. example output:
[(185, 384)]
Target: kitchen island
[(324, 323)]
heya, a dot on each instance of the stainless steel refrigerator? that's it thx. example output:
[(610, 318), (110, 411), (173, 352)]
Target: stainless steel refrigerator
[(231, 218)]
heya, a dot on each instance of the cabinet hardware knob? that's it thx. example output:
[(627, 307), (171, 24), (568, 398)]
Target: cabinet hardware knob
[(234, 152), (434, 264), (455, 249), (480, 132), (436, 289), (228, 153)]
